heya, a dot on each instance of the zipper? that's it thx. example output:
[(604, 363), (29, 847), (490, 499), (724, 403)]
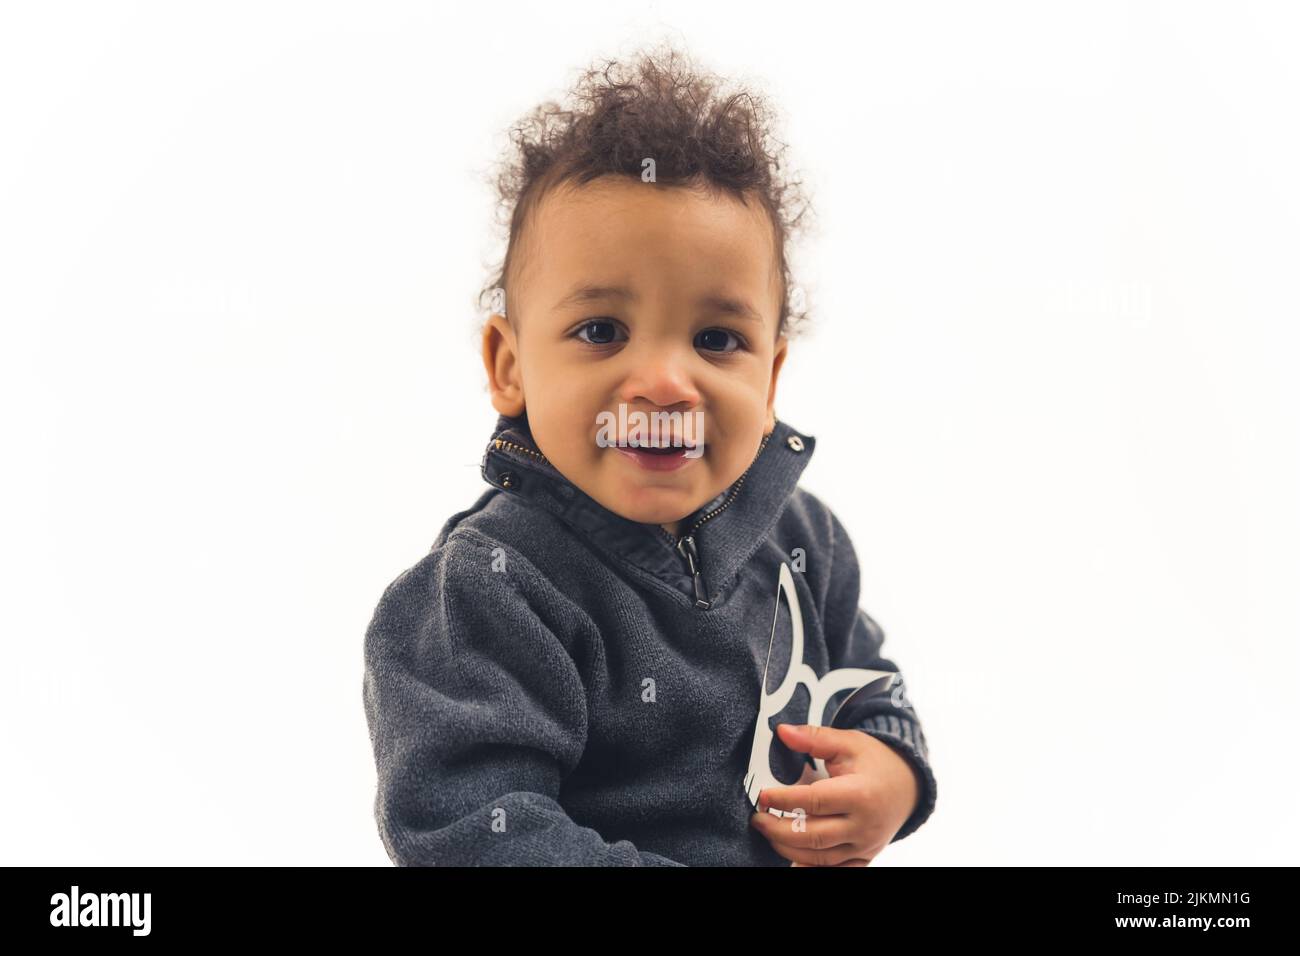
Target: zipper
[(685, 544), (687, 547), (502, 443)]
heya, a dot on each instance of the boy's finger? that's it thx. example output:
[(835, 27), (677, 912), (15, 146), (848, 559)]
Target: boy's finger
[(817, 741), (832, 856), (857, 862), (826, 797), (816, 832)]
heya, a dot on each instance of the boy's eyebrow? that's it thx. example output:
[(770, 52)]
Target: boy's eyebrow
[(715, 303)]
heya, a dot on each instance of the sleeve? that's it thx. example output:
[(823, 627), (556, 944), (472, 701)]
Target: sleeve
[(854, 639), (476, 714)]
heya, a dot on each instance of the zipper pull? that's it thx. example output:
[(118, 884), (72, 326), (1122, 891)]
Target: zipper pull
[(687, 547)]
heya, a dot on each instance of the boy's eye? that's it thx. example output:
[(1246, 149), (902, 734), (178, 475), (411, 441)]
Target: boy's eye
[(602, 332), (715, 340), (606, 332)]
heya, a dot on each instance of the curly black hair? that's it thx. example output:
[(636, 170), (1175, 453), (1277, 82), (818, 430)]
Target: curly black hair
[(660, 105)]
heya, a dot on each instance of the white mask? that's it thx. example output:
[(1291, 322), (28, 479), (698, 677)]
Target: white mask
[(869, 684)]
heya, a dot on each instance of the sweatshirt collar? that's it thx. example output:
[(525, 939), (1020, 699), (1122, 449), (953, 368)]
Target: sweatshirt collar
[(725, 531)]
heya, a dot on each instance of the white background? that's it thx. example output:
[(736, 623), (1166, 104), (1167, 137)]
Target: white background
[(1055, 291)]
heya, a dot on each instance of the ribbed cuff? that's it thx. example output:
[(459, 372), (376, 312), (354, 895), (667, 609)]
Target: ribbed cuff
[(906, 737)]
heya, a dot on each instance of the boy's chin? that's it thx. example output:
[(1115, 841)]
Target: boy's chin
[(656, 506), (655, 517), (658, 516)]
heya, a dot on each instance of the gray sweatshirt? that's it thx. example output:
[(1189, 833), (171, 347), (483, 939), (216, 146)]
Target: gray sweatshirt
[(553, 684)]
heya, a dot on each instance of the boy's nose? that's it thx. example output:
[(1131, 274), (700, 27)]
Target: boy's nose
[(661, 380)]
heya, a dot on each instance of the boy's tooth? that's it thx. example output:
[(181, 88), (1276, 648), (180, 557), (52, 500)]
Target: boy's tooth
[(634, 441)]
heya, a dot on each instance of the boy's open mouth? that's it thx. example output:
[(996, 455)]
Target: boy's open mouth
[(661, 457), (662, 446)]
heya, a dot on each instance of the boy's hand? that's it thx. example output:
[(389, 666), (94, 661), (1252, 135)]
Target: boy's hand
[(849, 816)]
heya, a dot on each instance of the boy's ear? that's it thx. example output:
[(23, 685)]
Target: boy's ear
[(501, 362), (778, 359)]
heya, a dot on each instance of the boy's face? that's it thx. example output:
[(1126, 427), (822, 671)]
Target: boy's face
[(668, 343)]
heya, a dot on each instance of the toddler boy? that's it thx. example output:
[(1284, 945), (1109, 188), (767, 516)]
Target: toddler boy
[(572, 675)]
